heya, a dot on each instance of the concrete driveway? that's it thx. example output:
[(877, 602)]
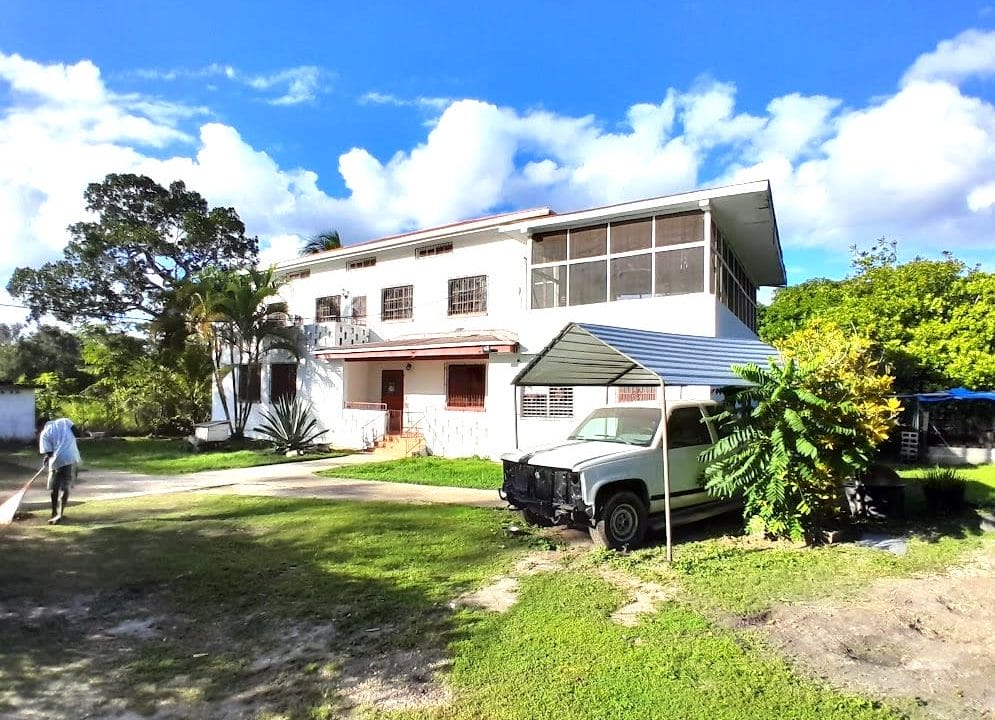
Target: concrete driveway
[(284, 480)]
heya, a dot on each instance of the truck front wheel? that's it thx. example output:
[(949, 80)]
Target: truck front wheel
[(621, 523)]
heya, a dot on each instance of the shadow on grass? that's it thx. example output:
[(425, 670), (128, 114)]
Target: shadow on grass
[(196, 608)]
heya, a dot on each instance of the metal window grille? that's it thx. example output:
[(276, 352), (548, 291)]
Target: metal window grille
[(431, 250), (328, 308), (359, 309), (553, 402), (468, 295), (636, 394), (396, 303), (465, 386), (298, 275)]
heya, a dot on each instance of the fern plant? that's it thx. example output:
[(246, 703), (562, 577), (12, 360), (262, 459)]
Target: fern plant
[(785, 450), (290, 425)]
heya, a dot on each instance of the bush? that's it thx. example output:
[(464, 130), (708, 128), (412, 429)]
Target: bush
[(800, 430), (944, 489)]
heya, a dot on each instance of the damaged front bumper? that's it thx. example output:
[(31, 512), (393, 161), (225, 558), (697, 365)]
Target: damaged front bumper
[(552, 493)]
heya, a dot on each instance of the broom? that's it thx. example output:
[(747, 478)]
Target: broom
[(10, 505)]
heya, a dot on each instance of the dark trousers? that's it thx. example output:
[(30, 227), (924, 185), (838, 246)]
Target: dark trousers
[(61, 480)]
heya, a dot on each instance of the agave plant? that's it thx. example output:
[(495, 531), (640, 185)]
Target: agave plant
[(290, 425)]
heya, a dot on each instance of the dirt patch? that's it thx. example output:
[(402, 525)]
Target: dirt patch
[(502, 593), (927, 641), (397, 680), (129, 655), (646, 597)]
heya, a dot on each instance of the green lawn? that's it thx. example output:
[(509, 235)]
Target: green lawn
[(980, 482), (283, 600), (459, 472), (743, 576), (171, 457)]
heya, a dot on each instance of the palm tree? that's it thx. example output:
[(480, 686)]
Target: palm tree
[(229, 312), (328, 240)]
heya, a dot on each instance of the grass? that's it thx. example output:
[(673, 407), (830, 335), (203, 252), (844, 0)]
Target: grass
[(157, 456), (558, 654), (460, 472), (229, 581), (980, 481), (744, 576), (233, 580)]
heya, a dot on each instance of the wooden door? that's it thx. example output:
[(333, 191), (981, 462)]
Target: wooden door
[(392, 395)]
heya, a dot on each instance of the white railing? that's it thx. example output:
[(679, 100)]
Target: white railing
[(363, 427)]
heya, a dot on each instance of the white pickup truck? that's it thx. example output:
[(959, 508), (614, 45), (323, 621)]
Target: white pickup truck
[(608, 474)]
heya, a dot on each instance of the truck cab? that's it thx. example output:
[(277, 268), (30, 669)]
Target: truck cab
[(607, 475)]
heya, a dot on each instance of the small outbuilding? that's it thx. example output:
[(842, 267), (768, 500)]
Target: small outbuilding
[(17, 412)]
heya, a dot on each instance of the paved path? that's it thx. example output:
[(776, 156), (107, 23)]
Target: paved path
[(284, 480)]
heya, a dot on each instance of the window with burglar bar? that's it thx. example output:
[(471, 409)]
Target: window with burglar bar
[(551, 402), (328, 308), (396, 303), (636, 393), (465, 387), (468, 295)]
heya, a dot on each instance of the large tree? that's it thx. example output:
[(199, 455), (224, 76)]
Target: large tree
[(929, 320), (146, 241), (49, 349)]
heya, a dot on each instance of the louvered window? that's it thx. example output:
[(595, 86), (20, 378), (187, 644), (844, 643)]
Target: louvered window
[(552, 402)]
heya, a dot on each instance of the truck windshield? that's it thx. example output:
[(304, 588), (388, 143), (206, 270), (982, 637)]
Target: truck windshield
[(629, 425)]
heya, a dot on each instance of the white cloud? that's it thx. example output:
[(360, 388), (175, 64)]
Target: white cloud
[(297, 84), (918, 165), (301, 84), (970, 54), (379, 98)]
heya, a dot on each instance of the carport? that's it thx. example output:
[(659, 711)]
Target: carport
[(601, 355)]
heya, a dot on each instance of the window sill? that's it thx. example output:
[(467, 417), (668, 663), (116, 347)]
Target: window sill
[(453, 408)]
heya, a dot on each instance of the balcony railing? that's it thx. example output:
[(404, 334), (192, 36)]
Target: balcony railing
[(334, 333)]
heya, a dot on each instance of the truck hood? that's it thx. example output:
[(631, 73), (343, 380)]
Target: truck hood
[(570, 454)]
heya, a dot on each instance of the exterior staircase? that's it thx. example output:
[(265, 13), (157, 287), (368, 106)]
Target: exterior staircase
[(393, 447)]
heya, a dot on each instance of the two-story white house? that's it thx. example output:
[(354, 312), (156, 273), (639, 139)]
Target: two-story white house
[(424, 331)]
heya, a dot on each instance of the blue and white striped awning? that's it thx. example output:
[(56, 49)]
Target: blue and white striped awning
[(584, 354)]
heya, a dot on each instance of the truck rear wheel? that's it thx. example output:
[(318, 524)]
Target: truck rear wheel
[(535, 519), (621, 523)]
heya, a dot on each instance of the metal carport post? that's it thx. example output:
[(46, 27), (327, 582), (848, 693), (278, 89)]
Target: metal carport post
[(599, 355)]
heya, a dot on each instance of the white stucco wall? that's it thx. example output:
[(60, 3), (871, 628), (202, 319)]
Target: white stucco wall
[(17, 413), (503, 258)]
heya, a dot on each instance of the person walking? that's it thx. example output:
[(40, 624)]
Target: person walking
[(57, 442)]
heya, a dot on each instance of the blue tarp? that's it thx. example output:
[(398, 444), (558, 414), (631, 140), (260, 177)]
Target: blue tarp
[(955, 394)]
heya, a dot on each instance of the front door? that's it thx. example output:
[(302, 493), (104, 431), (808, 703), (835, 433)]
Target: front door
[(392, 395)]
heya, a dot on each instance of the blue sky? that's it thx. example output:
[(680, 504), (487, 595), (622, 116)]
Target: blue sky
[(870, 119)]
